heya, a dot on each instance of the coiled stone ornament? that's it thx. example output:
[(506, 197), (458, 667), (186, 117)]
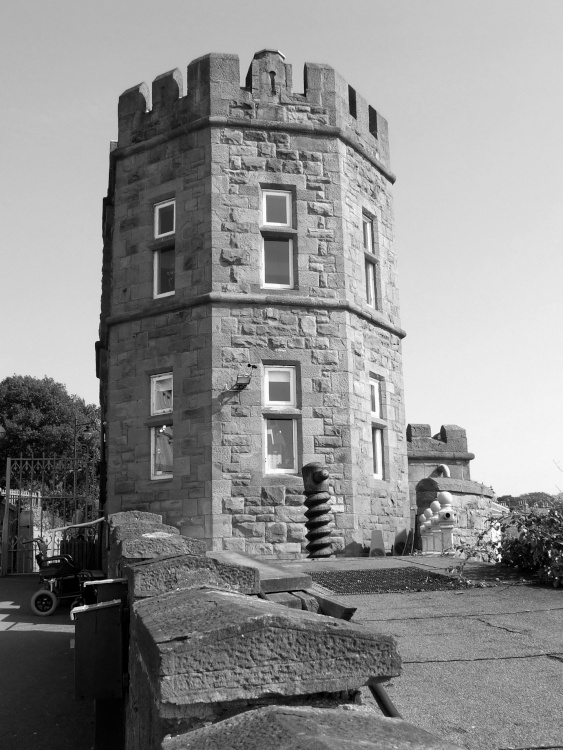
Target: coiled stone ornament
[(319, 515)]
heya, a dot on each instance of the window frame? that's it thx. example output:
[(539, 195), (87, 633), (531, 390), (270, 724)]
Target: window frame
[(377, 450), (268, 285), (154, 380), (371, 262), (293, 420), (371, 283), (154, 474), (156, 272), (288, 206), (375, 385), (157, 208), (292, 403)]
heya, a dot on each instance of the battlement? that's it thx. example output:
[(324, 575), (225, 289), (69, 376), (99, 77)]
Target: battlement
[(451, 438), (214, 91)]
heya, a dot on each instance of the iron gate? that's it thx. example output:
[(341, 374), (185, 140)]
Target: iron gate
[(42, 497)]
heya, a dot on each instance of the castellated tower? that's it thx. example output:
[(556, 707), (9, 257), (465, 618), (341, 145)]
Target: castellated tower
[(250, 316)]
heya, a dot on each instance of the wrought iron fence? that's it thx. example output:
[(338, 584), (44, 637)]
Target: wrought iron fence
[(42, 495)]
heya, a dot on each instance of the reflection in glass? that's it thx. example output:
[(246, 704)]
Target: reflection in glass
[(279, 386), (162, 451), (280, 445), (162, 394), (165, 271), (276, 209)]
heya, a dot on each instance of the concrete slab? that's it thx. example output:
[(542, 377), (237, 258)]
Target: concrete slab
[(484, 705), (273, 578)]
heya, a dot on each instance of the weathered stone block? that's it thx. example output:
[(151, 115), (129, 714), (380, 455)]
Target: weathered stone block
[(163, 574), (306, 727), (205, 646)]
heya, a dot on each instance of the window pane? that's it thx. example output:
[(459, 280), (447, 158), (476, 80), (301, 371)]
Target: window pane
[(280, 449), (279, 385), (165, 271), (368, 239), (370, 284), (377, 452), (276, 209), (162, 394), (165, 219), (162, 445), (277, 262), (375, 398)]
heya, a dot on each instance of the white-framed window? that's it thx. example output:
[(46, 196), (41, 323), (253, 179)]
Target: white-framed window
[(370, 260), (279, 386), (280, 442), (161, 394), (277, 262), (162, 452), (276, 208), (161, 436), (371, 283), (375, 397), (164, 272), (367, 229), (377, 448), (164, 219)]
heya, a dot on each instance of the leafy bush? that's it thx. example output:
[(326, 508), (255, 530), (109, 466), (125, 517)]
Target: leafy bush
[(531, 542)]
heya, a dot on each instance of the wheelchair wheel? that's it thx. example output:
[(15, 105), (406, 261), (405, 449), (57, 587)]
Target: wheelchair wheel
[(44, 603)]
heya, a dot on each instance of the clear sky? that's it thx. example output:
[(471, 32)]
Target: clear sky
[(473, 92)]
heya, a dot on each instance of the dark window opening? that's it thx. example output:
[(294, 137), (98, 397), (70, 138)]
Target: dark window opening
[(352, 101), (372, 121)]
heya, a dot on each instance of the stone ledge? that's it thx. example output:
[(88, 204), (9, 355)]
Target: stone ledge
[(208, 646), (163, 574), (304, 728)]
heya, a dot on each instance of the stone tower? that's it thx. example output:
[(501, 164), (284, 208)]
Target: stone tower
[(250, 315)]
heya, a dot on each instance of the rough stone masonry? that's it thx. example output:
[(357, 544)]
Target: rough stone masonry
[(248, 234)]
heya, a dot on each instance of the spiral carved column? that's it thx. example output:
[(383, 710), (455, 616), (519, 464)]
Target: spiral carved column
[(319, 515)]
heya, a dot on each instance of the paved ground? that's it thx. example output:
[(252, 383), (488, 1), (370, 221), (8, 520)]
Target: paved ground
[(483, 667), (37, 706)]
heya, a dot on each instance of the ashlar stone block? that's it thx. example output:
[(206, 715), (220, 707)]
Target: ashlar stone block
[(209, 646), (164, 574), (306, 727)]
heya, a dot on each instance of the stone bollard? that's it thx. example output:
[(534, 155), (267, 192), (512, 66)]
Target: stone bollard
[(447, 520), (319, 515)]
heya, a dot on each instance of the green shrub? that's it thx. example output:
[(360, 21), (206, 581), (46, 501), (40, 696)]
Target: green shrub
[(533, 542)]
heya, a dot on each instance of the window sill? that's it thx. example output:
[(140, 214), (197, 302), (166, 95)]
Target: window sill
[(168, 477), (160, 420), (266, 229), (281, 411)]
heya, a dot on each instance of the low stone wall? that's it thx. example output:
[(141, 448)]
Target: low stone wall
[(473, 503), (205, 648)]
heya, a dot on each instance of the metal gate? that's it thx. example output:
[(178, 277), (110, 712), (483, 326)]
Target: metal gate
[(43, 496)]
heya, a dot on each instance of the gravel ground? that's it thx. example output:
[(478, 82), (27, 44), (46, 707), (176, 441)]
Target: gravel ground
[(410, 578)]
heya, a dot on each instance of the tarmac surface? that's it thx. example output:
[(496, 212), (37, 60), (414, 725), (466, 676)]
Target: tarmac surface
[(37, 706), (482, 667)]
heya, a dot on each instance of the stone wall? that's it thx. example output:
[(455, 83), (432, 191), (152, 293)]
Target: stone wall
[(210, 661), (214, 150)]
